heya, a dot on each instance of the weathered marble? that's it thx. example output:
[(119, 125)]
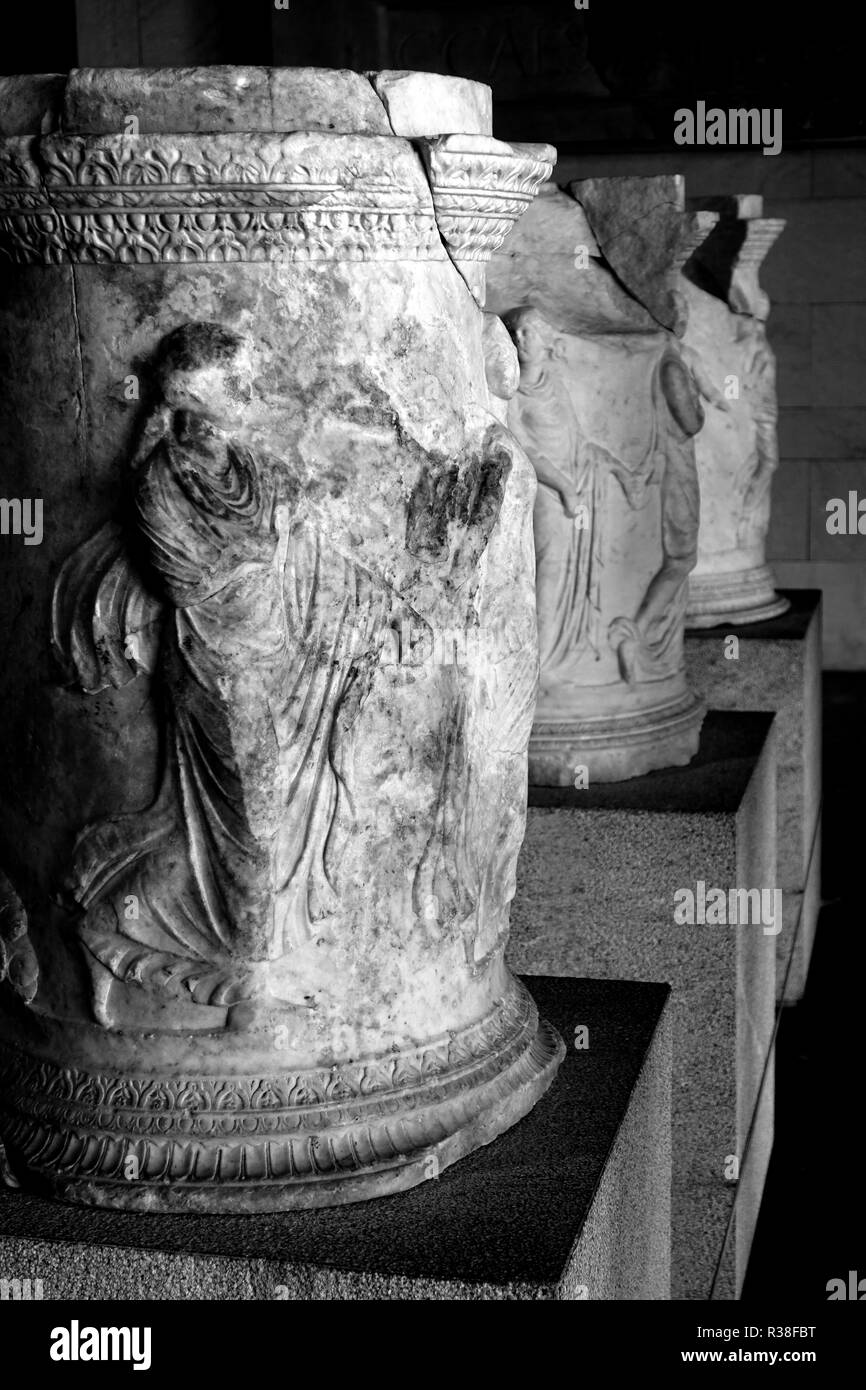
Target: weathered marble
[(258, 838), (574, 1203), (737, 450), (606, 410)]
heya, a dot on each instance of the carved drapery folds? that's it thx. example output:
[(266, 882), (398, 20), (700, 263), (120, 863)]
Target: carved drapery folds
[(286, 688), (737, 449), (607, 411)]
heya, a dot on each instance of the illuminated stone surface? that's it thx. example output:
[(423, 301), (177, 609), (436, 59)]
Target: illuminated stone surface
[(259, 833)]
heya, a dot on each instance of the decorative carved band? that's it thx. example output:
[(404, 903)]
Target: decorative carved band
[(314, 1127), (206, 198), (481, 187), (308, 1100), (213, 198)]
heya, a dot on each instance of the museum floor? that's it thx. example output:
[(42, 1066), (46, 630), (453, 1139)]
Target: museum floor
[(811, 1223)]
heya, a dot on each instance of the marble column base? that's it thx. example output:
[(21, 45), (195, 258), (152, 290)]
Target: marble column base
[(573, 1204), (779, 668), (615, 747), (595, 896), (743, 596), (188, 1139)]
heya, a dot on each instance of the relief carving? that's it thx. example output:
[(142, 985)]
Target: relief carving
[(279, 822)]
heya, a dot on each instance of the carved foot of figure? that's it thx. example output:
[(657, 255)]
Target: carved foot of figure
[(625, 638), (265, 1014)]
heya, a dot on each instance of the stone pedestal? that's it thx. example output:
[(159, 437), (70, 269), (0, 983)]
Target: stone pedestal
[(573, 1203), (737, 449), (777, 667), (596, 886), (257, 863), (606, 410)]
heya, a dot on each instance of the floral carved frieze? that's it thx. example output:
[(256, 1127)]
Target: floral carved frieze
[(209, 198), (480, 188)]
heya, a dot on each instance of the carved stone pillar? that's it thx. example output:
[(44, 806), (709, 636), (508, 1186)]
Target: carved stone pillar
[(737, 449), (606, 410), (259, 834)]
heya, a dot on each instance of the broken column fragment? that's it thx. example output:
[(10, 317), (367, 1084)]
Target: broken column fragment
[(607, 411), (259, 872)]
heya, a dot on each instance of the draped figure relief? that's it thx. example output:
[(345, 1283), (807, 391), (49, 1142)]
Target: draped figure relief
[(573, 474), (263, 634), (607, 410)]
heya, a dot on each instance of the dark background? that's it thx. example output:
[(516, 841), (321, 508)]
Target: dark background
[(611, 75)]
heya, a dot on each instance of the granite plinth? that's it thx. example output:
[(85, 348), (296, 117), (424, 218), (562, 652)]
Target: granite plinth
[(572, 1203), (779, 669), (595, 895)]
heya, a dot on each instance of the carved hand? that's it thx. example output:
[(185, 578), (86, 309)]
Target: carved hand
[(702, 380), (447, 499)]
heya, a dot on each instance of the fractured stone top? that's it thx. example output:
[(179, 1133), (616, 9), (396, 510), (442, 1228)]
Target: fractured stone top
[(551, 260), (255, 163), (603, 256), (645, 234), (743, 206), (96, 101)]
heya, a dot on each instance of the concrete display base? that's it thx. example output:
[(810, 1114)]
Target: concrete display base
[(572, 1203), (779, 668), (595, 895)]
